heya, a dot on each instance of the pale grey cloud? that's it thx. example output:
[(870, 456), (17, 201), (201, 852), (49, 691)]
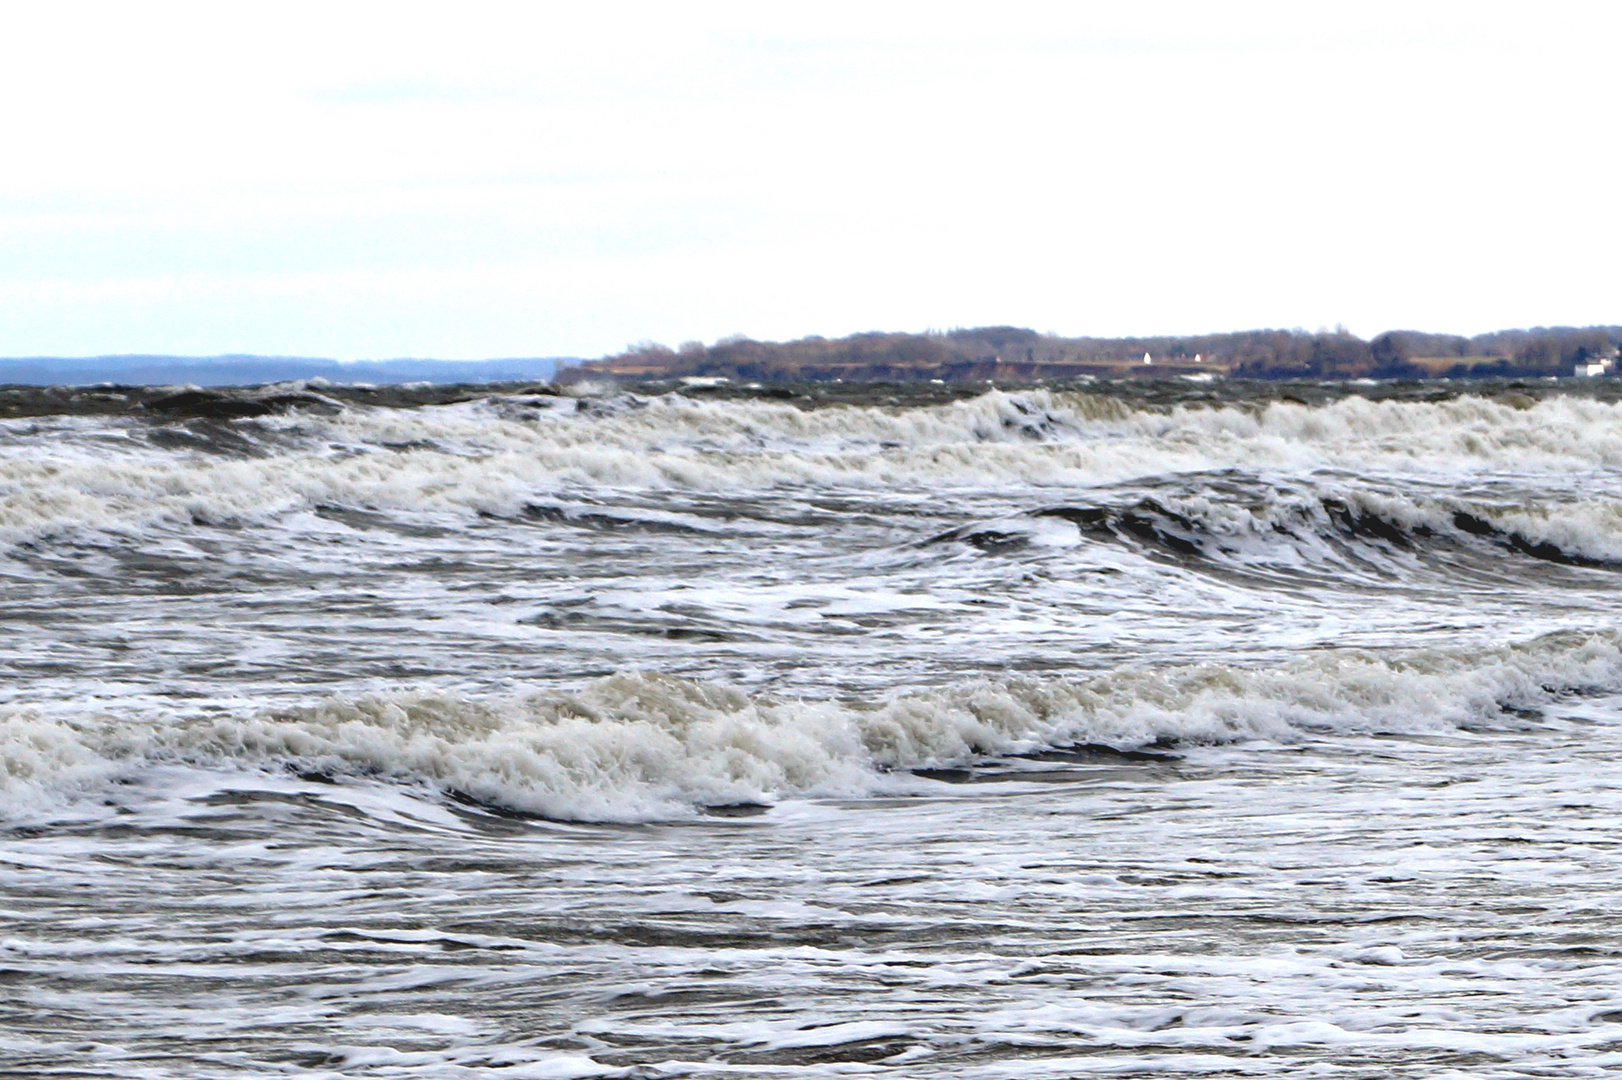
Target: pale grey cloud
[(367, 180)]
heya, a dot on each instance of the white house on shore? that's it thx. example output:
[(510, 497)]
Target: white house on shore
[(1596, 365)]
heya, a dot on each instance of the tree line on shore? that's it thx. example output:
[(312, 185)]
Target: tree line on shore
[(1015, 352)]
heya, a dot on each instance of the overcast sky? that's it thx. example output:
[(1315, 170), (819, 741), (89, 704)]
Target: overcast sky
[(463, 180)]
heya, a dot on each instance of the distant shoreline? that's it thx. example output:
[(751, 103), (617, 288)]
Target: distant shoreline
[(996, 354), (1014, 354)]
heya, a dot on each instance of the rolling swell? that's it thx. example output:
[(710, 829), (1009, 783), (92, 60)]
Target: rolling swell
[(262, 456), (636, 746), (1184, 527)]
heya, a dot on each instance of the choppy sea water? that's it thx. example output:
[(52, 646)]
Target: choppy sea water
[(1224, 730)]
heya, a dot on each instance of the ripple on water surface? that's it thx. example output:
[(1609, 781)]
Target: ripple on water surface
[(1022, 733)]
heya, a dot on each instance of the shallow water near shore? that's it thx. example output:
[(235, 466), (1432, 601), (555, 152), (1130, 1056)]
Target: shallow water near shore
[(1207, 729)]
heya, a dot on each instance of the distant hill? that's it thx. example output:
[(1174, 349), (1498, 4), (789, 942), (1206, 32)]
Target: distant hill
[(1014, 354), (258, 370), (999, 353)]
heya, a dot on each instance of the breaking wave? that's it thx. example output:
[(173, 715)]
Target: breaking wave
[(639, 746), (1322, 526), (499, 454)]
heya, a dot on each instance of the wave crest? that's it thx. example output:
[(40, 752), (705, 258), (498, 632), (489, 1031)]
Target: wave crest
[(638, 746), (1262, 524), (494, 456)]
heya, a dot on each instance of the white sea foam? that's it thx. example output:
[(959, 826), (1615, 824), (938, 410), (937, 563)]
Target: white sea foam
[(492, 455), (256, 669), (1306, 519), (638, 746)]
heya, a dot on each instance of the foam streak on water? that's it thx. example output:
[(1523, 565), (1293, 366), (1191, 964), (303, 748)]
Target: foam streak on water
[(1028, 733)]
